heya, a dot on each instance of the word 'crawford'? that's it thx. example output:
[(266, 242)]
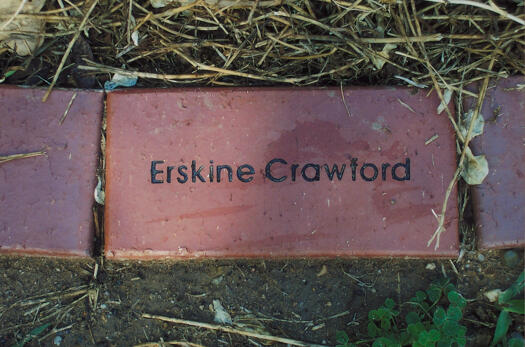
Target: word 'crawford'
[(309, 172)]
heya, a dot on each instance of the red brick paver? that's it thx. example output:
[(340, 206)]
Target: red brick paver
[(251, 173), (499, 202), (46, 201)]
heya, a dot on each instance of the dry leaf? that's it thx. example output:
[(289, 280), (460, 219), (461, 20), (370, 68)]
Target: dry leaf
[(464, 124), (100, 195), (160, 3), (135, 38), (378, 61), (221, 316), (475, 169), (324, 271), (22, 43), (447, 95)]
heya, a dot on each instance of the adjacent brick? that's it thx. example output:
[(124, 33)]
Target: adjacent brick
[(499, 202), (46, 201), (151, 130)]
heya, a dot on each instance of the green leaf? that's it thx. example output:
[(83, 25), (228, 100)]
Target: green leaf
[(502, 326), (412, 317), (448, 288), (341, 337), (384, 313), (454, 313), (516, 306), (444, 343), (513, 290), (32, 334), (461, 331), (420, 296), (385, 324), (373, 315), (415, 329), (433, 335), (439, 316), (515, 342), (456, 299), (434, 293), (428, 338), (373, 330), (461, 341), (385, 342), (389, 303), (404, 338), (422, 338), (450, 328)]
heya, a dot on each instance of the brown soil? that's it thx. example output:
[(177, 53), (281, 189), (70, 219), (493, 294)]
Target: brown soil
[(282, 297)]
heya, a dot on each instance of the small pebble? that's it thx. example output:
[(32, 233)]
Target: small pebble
[(103, 306), (511, 258), (430, 266), (216, 281), (481, 257), (493, 295), (57, 340)]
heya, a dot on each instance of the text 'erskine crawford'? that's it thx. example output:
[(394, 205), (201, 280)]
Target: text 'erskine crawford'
[(309, 172)]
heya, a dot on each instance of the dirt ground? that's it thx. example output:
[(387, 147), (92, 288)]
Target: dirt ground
[(288, 298)]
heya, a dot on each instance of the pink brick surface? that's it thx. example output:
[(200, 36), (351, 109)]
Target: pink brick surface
[(46, 201), (499, 202), (262, 218)]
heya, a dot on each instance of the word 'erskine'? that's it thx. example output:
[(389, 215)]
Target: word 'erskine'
[(309, 172)]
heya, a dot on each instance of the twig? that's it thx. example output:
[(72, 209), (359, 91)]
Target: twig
[(431, 139), (54, 331), (233, 331), (404, 104), (359, 282), (344, 101), (68, 50), (490, 7), (105, 69), (428, 38), (130, 15), (173, 343), (5, 159), (440, 229), (68, 107), (174, 11)]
